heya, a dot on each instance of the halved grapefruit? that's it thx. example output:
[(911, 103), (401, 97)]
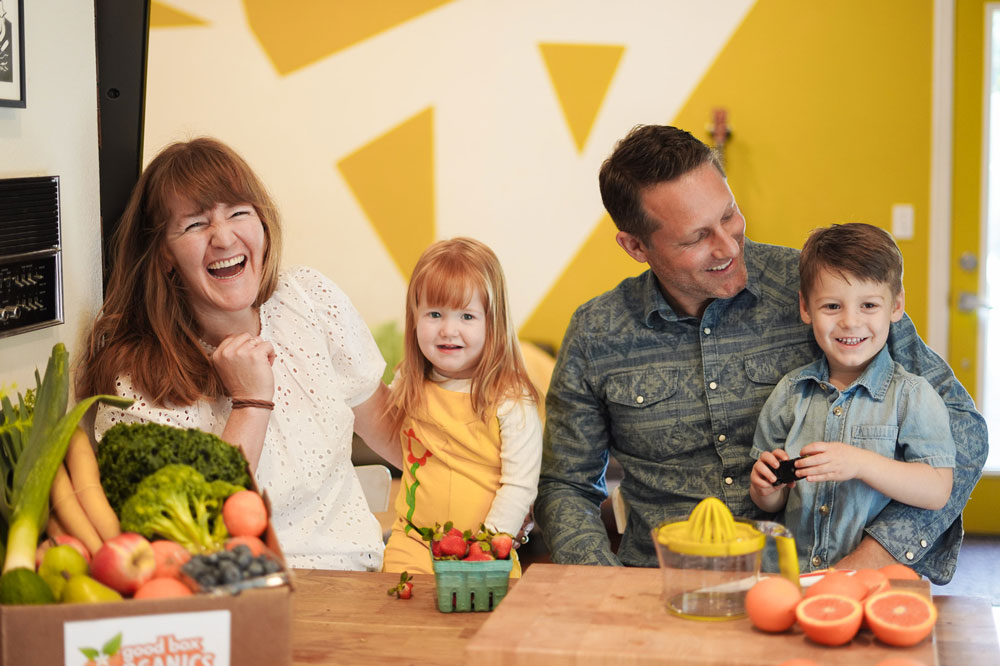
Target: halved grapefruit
[(829, 619), (900, 617)]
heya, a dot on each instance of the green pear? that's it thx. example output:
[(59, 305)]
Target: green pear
[(82, 589), (59, 564)]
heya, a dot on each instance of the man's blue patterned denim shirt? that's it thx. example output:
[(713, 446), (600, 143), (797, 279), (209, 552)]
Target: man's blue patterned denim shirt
[(676, 399)]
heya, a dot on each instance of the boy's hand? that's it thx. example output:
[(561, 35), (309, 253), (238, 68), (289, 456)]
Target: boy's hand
[(832, 461), (762, 475)]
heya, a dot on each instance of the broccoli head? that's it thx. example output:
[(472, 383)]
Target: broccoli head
[(128, 453), (177, 503)]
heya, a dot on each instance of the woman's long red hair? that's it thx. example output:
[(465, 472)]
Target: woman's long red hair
[(146, 328), (447, 274)]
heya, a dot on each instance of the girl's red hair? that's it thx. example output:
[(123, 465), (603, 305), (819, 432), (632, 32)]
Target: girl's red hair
[(446, 275)]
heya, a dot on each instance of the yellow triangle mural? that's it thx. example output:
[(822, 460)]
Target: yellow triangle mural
[(581, 75), (393, 180), (165, 16), (296, 33), (598, 266)]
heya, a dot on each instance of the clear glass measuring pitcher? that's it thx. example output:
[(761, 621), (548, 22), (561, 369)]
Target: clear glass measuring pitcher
[(710, 560)]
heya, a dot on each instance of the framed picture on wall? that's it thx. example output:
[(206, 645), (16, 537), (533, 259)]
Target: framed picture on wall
[(12, 53)]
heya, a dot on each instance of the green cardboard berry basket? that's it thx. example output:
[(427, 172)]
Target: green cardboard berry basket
[(470, 586)]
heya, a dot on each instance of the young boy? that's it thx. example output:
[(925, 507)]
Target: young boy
[(867, 430)]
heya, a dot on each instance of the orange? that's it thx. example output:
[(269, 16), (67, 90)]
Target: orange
[(162, 588), (900, 617), (897, 571), (839, 582), (829, 619), (874, 580), (798, 661), (771, 603)]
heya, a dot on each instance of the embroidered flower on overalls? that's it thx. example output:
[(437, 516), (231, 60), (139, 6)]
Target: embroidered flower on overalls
[(412, 458)]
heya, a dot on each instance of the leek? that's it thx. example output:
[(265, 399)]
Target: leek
[(27, 488)]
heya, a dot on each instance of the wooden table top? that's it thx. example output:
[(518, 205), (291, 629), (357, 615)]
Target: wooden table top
[(347, 618)]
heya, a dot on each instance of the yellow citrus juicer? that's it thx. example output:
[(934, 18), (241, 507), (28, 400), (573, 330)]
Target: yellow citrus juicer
[(710, 560)]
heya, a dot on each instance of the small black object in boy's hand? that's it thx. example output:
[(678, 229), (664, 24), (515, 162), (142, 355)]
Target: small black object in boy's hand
[(785, 472)]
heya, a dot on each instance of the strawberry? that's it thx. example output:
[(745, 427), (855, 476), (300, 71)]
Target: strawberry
[(478, 552), (501, 544), (453, 545), (405, 588)]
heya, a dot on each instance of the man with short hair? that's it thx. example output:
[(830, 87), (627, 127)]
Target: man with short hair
[(669, 370)]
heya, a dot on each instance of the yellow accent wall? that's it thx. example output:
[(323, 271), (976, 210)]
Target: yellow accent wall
[(508, 123), (830, 109), (297, 33), (581, 74), (165, 16), (393, 180)]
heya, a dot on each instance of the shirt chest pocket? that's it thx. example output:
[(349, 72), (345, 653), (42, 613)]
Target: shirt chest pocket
[(642, 414), (878, 438)]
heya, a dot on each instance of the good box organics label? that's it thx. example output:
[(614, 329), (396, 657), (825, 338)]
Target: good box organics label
[(174, 639)]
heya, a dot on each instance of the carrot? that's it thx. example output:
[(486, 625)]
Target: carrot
[(86, 477), (244, 514), (71, 515)]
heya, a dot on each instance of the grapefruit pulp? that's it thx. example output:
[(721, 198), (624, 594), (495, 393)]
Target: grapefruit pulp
[(829, 619), (900, 617)]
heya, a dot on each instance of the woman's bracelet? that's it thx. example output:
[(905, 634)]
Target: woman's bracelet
[(240, 403)]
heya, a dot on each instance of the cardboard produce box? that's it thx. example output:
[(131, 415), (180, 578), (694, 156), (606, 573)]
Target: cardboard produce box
[(253, 627)]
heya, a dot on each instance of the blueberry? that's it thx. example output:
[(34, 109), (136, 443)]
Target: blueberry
[(254, 569), (230, 573)]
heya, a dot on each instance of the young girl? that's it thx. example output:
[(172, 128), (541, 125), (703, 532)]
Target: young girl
[(463, 405)]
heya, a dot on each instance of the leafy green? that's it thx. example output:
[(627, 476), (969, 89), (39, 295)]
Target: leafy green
[(177, 503), (15, 426), (389, 339), (128, 453)]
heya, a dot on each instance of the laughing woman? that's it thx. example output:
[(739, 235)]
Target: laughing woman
[(201, 328)]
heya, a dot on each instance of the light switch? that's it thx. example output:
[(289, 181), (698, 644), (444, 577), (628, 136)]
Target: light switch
[(902, 221)]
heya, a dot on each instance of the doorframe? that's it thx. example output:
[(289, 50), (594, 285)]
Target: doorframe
[(939, 235)]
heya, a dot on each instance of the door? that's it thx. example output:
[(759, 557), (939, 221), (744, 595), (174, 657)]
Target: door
[(974, 336)]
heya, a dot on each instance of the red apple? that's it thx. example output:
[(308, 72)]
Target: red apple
[(124, 563), (170, 557), (61, 540)]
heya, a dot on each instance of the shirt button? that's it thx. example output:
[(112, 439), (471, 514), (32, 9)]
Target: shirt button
[(729, 480), (816, 561), (825, 510), (909, 556), (639, 399), (713, 385), (837, 411), (722, 438), (707, 330), (923, 543)]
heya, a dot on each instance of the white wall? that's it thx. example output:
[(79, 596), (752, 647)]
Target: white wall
[(57, 135)]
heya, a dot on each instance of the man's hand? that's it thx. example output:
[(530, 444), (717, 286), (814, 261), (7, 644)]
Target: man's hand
[(868, 555)]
